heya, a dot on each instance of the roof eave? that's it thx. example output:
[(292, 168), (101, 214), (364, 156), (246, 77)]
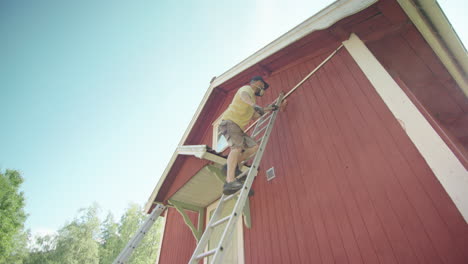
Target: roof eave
[(435, 28)]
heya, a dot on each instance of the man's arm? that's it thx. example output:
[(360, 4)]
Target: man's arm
[(246, 98), (259, 111)]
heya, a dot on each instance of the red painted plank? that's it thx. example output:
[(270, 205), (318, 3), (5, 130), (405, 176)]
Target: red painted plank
[(278, 199), (322, 107), (178, 242), (315, 167), (384, 175), (340, 212), (291, 216), (336, 173), (403, 209)]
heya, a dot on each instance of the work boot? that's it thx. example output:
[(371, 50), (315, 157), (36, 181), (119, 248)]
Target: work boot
[(242, 180), (232, 187)]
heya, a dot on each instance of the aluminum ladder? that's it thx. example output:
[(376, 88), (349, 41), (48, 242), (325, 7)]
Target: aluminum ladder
[(242, 194), (136, 239)]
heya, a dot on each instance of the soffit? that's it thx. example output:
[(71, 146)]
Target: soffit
[(202, 189)]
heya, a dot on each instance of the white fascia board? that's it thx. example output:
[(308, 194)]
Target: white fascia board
[(444, 164), (195, 150), (323, 19), (201, 152)]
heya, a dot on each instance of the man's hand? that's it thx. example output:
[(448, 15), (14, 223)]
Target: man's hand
[(259, 110), (272, 107), (283, 105)]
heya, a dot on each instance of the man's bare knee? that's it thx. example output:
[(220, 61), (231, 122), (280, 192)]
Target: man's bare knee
[(252, 149), (237, 150)]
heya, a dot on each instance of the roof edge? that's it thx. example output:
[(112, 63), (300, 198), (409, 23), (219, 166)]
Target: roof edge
[(436, 29)]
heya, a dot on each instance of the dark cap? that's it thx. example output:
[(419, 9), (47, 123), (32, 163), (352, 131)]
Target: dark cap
[(259, 78)]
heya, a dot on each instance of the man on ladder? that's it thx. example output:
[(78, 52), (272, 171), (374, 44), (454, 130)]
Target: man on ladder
[(242, 109), (237, 116)]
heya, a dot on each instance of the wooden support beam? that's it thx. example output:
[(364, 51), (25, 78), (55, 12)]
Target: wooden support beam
[(201, 220), (179, 206)]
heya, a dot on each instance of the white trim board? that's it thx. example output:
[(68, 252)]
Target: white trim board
[(443, 162)]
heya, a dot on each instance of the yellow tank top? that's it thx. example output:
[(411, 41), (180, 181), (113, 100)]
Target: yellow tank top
[(239, 111)]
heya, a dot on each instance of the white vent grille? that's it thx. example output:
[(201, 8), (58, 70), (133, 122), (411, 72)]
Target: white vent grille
[(270, 174)]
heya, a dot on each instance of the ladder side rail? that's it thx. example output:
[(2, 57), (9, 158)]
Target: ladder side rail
[(134, 242), (225, 240), (208, 230), (136, 239), (237, 212)]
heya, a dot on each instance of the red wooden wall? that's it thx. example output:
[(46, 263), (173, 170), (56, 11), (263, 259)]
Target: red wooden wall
[(178, 241), (350, 186)]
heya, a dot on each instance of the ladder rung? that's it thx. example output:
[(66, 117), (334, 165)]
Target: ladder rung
[(217, 223), (206, 254), (261, 121), (265, 118), (259, 131), (231, 196), (243, 173)]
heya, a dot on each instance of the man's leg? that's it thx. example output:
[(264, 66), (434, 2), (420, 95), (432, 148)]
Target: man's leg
[(232, 161), (247, 153)]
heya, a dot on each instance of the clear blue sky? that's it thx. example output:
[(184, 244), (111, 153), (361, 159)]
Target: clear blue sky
[(96, 95)]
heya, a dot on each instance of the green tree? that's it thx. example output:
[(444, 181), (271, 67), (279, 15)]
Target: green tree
[(146, 252), (86, 240), (43, 251), (77, 242), (110, 242), (12, 217)]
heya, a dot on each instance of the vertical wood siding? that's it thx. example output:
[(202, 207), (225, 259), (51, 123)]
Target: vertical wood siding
[(178, 242), (350, 185)]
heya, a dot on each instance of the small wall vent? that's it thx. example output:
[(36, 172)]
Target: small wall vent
[(270, 174)]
